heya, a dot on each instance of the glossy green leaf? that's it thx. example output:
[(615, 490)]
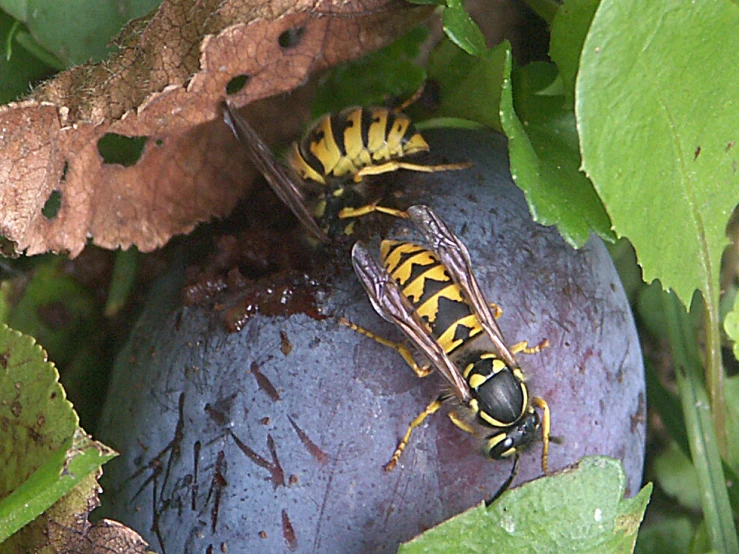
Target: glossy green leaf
[(569, 29), (470, 86), (658, 116), (545, 159), (461, 30)]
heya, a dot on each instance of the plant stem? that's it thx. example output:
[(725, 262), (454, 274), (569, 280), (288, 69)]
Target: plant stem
[(714, 373), (701, 433)]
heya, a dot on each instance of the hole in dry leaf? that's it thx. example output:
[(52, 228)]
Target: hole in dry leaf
[(291, 37), (52, 205), (9, 250), (120, 149), (236, 84), (159, 142)]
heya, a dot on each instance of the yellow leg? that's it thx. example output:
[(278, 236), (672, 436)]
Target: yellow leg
[(524, 347), (421, 371), (346, 213), (545, 428), (462, 424), (430, 409), (395, 165), (497, 310)]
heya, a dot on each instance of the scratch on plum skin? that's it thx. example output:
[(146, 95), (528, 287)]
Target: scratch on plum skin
[(638, 418), (217, 484), (313, 449), (264, 383), (196, 464), (324, 501), (173, 447), (277, 475), (288, 531)]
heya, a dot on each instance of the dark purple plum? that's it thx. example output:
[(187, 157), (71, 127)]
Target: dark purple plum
[(274, 438)]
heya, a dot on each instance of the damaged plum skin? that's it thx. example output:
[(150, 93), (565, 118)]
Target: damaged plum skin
[(274, 439)]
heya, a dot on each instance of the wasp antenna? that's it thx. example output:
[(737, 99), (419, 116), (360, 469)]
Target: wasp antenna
[(414, 97), (507, 483)]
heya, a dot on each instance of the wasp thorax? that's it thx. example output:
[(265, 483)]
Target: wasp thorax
[(500, 395)]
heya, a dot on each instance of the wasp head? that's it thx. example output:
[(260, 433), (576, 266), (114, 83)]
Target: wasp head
[(515, 438)]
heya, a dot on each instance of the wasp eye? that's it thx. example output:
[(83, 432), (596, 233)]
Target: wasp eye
[(501, 448)]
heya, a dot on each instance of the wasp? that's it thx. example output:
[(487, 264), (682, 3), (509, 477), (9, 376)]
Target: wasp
[(322, 181), (432, 295)]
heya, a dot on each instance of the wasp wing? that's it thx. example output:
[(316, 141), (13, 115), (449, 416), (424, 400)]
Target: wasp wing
[(388, 300), (263, 159), (454, 256)]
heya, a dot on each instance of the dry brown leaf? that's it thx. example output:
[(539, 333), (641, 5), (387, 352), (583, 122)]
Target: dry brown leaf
[(65, 528), (166, 83)]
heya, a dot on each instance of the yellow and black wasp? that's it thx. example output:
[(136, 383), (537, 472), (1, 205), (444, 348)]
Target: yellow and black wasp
[(432, 295), (322, 182)]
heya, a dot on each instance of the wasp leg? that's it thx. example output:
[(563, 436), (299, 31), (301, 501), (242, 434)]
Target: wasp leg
[(507, 483), (462, 424), (421, 371), (430, 410), (497, 310), (346, 213), (524, 347), (395, 165), (545, 428)]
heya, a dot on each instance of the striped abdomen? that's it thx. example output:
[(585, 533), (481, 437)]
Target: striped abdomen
[(437, 299), (339, 145)]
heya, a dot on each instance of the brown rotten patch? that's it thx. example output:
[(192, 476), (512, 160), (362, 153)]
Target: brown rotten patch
[(161, 92)]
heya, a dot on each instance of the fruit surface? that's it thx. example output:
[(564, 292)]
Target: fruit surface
[(274, 438)]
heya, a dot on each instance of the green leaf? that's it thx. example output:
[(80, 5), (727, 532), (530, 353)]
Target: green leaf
[(122, 280), (569, 29), (43, 453), (669, 534), (543, 144), (657, 112), (18, 73), (732, 419), (370, 79), (676, 475), (545, 159), (470, 87), (731, 326), (702, 437), (76, 31), (578, 510), (55, 309), (62, 471), (461, 30)]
